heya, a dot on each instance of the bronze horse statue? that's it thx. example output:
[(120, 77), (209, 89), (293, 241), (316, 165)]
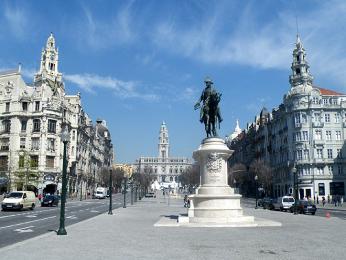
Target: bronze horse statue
[(210, 112)]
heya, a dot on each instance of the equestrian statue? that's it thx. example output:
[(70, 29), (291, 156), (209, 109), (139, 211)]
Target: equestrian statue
[(208, 104)]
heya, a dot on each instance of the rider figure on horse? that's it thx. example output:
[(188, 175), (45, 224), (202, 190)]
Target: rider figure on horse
[(210, 111)]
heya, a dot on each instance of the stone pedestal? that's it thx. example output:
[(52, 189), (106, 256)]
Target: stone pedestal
[(215, 201)]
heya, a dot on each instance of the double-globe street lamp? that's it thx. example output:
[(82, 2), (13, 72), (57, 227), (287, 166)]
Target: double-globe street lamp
[(65, 137), (256, 187)]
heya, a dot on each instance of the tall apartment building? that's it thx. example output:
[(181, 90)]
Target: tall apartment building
[(163, 168), (32, 118), (306, 132)]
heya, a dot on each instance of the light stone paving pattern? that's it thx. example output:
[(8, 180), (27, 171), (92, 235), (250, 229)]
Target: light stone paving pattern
[(130, 234)]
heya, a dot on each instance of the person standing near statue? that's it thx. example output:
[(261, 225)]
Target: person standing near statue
[(209, 111)]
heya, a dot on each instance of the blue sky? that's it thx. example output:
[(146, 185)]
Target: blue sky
[(137, 63)]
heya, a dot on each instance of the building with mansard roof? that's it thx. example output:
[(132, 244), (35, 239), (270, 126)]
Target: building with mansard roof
[(164, 168), (302, 140), (32, 119)]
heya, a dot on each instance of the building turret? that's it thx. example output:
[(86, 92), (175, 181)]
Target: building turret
[(163, 141), (300, 67), (49, 66)]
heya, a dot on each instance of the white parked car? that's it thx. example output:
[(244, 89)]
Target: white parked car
[(283, 203), (19, 200)]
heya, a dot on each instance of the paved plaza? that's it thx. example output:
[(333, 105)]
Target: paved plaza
[(130, 234)]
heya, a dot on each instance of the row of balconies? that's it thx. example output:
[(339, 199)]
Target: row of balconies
[(315, 124)]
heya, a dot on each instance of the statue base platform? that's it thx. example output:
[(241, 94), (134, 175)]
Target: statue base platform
[(215, 201)]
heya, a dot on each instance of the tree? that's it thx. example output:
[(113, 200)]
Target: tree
[(237, 173), (191, 176), (264, 173), (27, 173), (144, 179), (118, 175)]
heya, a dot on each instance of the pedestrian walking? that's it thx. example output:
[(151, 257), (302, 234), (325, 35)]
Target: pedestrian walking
[(334, 201), (342, 200), (318, 200), (328, 198), (323, 201), (185, 201), (339, 200)]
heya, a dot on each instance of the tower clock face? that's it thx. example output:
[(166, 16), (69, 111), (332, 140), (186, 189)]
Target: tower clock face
[(52, 56)]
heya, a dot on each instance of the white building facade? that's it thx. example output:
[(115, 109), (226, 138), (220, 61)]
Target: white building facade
[(163, 168), (32, 119), (306, 132)]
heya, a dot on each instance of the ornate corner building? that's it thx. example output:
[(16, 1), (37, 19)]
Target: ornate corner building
[(306, 132), (163, 168), (32, 119)]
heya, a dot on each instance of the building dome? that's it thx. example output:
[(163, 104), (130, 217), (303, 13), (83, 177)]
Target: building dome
[(237, 131)]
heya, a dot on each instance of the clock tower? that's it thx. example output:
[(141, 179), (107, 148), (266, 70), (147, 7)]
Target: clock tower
[(163, 141), (48, 72)]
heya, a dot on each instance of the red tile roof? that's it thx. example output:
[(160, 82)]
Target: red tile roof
[(328, 92)]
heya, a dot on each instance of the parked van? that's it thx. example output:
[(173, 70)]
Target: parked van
[(19, 200), (283, 203), (101, 193)]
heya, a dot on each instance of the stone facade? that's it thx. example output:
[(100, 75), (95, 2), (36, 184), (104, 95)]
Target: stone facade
[(306, 132), (164, 168), (32, 119)]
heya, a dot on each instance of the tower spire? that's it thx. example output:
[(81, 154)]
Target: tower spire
[(163, 141), (300, 67), (49, 65)]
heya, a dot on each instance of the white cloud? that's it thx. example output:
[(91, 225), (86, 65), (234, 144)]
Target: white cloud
[(189, 94), (99, 34), (17, 20), (122, 89), (28, 73), (264, 45)]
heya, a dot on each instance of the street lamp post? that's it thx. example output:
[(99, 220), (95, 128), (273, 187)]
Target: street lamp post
[(110, 211), (295, 189), (81, 194), (65, 136), (256, 186), (131, 186), (136, 189), (169, 194), (124, 191)]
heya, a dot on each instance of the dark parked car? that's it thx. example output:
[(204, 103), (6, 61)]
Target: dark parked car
[(304, 206), (267, 203), (150, 195), (50, 200)]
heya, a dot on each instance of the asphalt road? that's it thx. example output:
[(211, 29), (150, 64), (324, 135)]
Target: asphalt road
[(16, 226), (337, 212)]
